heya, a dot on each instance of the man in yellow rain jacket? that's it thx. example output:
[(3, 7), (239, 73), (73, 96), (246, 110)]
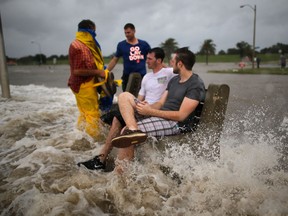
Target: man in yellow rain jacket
[(86, 63)]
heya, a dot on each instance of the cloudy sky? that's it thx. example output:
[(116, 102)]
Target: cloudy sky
[(52, 23)]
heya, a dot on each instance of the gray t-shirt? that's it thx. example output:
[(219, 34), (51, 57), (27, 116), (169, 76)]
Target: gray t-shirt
[(193, 88)]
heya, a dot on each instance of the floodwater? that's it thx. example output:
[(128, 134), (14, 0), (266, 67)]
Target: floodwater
[(40, 147)]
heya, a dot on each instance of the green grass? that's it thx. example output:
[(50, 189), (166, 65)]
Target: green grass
[(218, 58), (275, 71), (265, 58)]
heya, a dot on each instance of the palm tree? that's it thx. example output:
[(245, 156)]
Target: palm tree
[(244, 49), (169, 46), (208, 48)]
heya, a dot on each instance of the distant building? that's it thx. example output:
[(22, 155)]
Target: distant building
[(11, 63)]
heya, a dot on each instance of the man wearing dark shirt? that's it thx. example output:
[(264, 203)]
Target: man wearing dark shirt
[(133, 51)]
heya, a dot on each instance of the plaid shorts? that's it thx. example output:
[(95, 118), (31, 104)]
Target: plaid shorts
[(153, 126), (157, 127)]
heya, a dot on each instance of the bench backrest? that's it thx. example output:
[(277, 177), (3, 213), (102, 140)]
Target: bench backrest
[(215, 106), (134, 83)]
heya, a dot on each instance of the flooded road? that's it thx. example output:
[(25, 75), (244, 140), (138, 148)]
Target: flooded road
[(40, 147)]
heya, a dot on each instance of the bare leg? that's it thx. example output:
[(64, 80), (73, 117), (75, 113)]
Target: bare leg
[(113, 132), (124, 154), (127, 106)]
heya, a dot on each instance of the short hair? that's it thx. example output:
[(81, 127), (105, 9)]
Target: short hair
[(159, 53), (129, 25), (86, 24), (187, 57)]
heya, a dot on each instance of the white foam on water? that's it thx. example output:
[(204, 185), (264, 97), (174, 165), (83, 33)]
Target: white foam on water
[(40, 147)]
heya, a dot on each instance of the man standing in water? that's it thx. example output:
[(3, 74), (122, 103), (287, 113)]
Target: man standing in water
[(133, 51), (86, 62)]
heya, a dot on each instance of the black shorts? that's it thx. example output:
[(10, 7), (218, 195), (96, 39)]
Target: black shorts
[(114, 112)]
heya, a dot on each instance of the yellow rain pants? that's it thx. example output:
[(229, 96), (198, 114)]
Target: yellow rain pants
[(87, 102)]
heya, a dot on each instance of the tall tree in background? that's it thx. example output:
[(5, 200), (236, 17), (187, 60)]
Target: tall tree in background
[(277, 48), (245, 49), (169, 46), (207, 48)]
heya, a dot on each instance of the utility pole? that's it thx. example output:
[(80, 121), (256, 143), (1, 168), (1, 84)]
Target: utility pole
[(3, 66), (254, 31)]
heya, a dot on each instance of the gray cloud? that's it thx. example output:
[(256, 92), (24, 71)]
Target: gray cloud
[(53, 23)]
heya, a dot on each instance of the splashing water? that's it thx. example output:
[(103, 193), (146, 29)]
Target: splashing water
[(40, 147)]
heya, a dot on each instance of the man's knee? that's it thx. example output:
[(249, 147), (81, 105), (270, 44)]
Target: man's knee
[(125, 96), (115, 121)]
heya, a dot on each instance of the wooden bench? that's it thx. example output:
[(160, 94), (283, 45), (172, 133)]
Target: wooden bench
[(209, 122)]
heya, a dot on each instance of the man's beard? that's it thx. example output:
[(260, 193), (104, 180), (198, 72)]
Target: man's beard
[(151, 66), (176, 70)]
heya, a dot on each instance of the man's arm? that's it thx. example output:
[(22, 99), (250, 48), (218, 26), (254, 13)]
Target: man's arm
[(112, 63), (140, 97), (76, 58), (188, 105), (89, 72), (157, 105)]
